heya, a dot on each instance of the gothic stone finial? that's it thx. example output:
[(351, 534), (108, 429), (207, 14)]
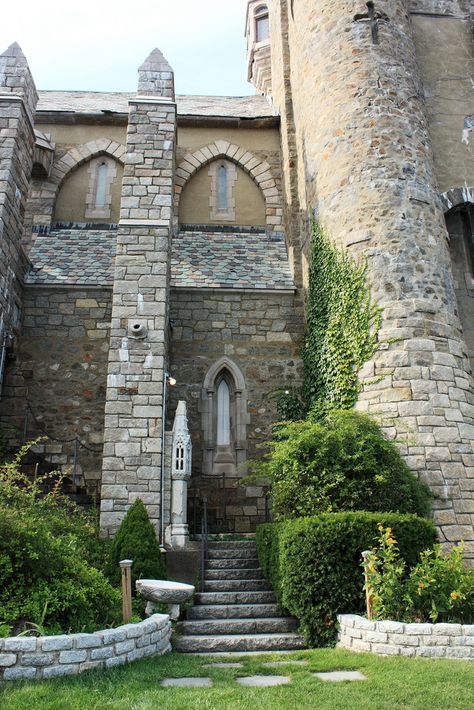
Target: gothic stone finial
[(156, 77)]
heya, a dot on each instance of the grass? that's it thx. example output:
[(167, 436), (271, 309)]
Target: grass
[(393, 684)]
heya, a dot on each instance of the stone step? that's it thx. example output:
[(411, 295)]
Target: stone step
[(234, 598), (231, 553), (250, 573), (236, 585), (213, 627), (233, 563), (234, 611), (245, 642), (231, 545)]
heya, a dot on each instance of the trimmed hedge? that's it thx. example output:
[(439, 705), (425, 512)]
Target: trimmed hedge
[(314, 564)]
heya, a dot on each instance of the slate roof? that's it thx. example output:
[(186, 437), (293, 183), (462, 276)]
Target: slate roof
[(76, 256), (199, 259), (230, 260), (117, 102)]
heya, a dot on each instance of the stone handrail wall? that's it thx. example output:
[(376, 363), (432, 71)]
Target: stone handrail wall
[(396, 638), (33, 658)]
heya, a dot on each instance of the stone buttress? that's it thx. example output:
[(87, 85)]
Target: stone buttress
[(18, 100), (364, 142), (139, 332)]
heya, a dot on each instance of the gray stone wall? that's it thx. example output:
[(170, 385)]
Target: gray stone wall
[(59, 370), (37, 658), (261, 333), (18, 99), (394, 638)]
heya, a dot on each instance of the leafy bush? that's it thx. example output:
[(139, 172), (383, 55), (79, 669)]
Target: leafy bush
[(136, 540), (342, 463), (438, 589), (50, 556), (313, 563), (45, 579)]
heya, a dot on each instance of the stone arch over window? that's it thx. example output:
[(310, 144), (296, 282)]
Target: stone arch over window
[(259, 170), (42, 206), (91, 192), (224, 419)]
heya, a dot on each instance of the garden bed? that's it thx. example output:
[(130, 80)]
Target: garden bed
[(397, 638), (36, 657)]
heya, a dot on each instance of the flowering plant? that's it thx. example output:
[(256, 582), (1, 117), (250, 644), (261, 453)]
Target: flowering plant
[(439, 588)]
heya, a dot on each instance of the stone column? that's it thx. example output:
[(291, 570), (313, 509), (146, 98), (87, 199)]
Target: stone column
[(180, 474), (139, 332), (359, 104), (18, 99)]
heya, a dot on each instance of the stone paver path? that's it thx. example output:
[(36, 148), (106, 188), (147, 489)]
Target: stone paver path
[(263, 681), (338, 676), (186, 683), (223, 665), (275, 664)]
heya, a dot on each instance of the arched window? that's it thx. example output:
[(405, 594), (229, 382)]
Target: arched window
[(222, 201), (223, 414), (262, 27), (102, 172), (222, 188), (101, 185)]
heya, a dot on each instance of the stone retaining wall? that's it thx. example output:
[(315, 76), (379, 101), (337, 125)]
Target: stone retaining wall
[(394, 638), (31, 658)]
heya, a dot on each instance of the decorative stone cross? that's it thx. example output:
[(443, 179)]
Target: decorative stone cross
[(373, 17)]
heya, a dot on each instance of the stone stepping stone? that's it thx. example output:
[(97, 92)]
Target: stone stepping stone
[(223, 665), (338, 676), (275, 664), (186, 683), (263, 681)]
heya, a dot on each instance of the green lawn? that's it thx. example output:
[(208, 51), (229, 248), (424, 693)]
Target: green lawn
[(392, 683)]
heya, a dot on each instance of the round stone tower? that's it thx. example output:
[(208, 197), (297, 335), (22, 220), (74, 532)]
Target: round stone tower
[(365, 167)]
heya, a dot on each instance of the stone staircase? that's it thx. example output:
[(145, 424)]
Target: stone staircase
[(237, 610)]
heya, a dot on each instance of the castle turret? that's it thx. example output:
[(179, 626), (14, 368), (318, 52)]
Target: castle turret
[(133, 436), (257, 34), (365, 167)]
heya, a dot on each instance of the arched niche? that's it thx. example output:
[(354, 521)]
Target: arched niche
[(224, 419), (222, 193), (91, 192), (258, 169)]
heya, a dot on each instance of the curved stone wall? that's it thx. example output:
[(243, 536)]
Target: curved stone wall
[(366, 169), (394, 638), (37, 657)]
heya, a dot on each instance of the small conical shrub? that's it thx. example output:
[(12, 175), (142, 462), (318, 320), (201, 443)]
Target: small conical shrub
[(136, 540)]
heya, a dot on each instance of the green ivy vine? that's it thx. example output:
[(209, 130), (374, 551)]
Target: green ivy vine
[(342, 327)]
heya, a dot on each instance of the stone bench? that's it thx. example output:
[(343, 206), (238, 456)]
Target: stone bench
[(160, 591)]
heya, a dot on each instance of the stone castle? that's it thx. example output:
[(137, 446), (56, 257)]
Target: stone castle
[(148, 237)]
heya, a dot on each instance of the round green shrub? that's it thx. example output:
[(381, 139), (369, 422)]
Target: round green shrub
[(344, 462), (136, 540)]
